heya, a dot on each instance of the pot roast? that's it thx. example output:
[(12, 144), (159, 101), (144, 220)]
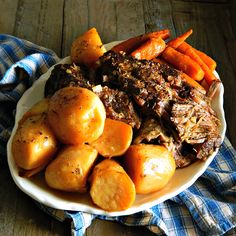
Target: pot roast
[(153, 98)]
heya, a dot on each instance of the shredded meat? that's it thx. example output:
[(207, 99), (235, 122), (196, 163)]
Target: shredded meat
[(161, 92)]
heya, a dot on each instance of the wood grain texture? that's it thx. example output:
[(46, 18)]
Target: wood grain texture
[(7, 23), (20, 216), (75, 22), (40, 21), (56, 23)]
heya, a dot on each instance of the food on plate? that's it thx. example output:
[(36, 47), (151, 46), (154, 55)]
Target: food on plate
[(150, 167), (70, 169), (115, 139), (189, 51), (118, 105), (208, 60), (76, 115), (34, 143), (131, 44), (38, 108), (176, 42), (87, 48), (183, 63), (147, 100), (162, 93), (111, 187), (152, 48)]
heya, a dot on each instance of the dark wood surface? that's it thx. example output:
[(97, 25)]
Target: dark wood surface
[(55, 24)]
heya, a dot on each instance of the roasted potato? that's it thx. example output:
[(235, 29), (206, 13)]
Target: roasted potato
[(34, 143), (149, 166), (111, 188), (115, 139), (36, 109), (69, 171), (76, 115), (87, 48)]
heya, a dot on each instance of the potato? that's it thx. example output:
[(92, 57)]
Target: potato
[(69, 171), (149, 166), (36, 109), (115, 139), (76, 115), (87, 48), (111, 188), (34, 143)]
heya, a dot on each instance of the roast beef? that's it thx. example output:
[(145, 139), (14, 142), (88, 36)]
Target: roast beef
[(117, 103), (162, 92)]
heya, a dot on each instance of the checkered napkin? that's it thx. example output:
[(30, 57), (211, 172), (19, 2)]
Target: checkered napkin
[(208, 207)]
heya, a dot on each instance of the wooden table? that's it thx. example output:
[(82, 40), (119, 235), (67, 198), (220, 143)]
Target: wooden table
[(56, 23)]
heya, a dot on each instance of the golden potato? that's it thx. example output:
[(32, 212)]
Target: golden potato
[(36, 109), (87, 48), (69, 171), (115, 139), (76, 115), (34, 143), (111, 188), (149, 166)]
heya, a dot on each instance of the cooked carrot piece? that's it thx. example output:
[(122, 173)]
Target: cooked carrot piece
[(150, 49), (115, 139), (174, 43), (131, 44), (183, 62), (193, 83), (189, 51), (207, 60)]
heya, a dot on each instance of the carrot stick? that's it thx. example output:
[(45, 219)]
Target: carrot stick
[(149, 49), (189, 51), (207, 60), (174, 43), (184, 63), (193, 83), (131, 44)]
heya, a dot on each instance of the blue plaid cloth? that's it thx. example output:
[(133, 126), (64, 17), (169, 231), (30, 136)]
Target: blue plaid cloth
[(208, 207)]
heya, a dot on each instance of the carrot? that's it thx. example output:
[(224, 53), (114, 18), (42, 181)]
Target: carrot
[(131, 44), (193, 83), (115, 139), (207, 60), (174, 43), (189, 51), (183, 62), (149, 49)]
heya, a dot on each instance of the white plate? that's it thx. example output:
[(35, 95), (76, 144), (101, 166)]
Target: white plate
[(37, 189)]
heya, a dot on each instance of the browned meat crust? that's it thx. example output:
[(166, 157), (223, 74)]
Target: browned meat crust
[(162, 93)]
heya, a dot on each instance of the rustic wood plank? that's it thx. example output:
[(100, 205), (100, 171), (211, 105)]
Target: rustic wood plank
[(40, 21), (158, 15), (19, 215), (104, 20), (8, 8), (130, 19), (75, 23)]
